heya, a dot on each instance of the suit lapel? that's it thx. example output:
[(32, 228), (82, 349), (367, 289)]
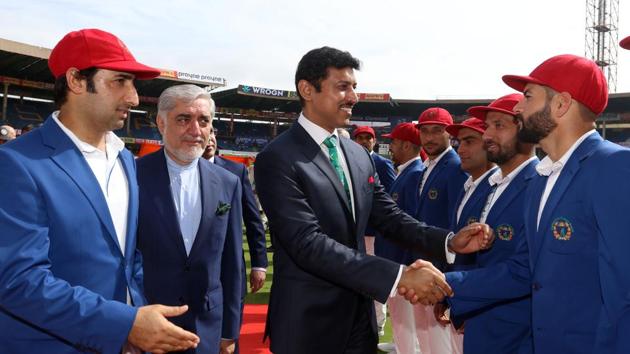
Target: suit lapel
[(314, 153), (132, 210), (513, 190), (569, 171), (532, 205), (434, 173), (67, 156), (209, 201)]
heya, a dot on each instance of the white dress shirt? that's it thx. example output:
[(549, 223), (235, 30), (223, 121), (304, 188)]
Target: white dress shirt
[(110, 174), (546, 167), (501, 184), (469, 187), (186, 192), (430, 165), (403, 166)]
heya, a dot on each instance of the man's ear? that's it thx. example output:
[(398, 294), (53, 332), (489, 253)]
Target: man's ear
[(76, 83), (562, 104), (306, 90)]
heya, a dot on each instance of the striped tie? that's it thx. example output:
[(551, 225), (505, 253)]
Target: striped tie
[(331, 144)]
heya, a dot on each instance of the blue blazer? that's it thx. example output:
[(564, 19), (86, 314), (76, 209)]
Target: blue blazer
[(503, 327), (63, 277), (577, 265), (322, 275), (386, 174), (439, 195), (403, 191), (255, 231), (209, 279), (471, 212)]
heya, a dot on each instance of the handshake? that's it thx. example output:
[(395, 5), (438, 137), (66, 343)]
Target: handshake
[(422, 282)]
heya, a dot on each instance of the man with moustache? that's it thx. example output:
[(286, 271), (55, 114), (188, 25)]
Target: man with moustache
[(576, 269), (70, 273), (472, 198), (319, 192), (441, 183), (504, 327), (190, 224)]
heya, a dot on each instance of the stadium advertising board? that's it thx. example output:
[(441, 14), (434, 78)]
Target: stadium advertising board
[(266, 92), (200, 78)]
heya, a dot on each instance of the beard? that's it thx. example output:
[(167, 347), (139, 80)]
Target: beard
[(537, 126), (505, 152)]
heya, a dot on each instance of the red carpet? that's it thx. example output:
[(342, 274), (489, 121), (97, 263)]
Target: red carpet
[(253, 329)]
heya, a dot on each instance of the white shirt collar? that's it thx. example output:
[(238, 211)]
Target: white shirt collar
[(316, 132), (111, 140), (402, 167), (469, 182), (211, 160), (498, 179), (546, 167), (429, 162)]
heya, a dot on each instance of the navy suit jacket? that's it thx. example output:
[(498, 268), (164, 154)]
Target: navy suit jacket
[(209, 279), (403, 191), (439, 195), (471, 212), (386, 174), (63, 277), (255, 231), (577, 265), (321, 271)]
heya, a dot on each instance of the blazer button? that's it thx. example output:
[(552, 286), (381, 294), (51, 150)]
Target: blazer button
[(536, 286)]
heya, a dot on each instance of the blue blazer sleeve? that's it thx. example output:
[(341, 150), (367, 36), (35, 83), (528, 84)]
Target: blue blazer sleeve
[(385, 171), (231, 270), (28, 288)]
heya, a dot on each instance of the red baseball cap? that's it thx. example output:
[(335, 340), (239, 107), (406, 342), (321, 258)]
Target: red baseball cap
[(88, 48), (363, 129), (625, 43), (435, 115), (580, 77), (504, 104), (473, 123), (405, 131)]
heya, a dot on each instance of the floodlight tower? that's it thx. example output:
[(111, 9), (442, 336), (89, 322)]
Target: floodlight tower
[(602, 38)]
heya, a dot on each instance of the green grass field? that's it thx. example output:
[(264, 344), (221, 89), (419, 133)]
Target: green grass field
[(262, 296)]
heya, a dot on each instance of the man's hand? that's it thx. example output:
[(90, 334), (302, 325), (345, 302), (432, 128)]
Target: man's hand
[(228, 346), (472, 238), (256, 280), (152, 332), (439, 311), (423, 283)]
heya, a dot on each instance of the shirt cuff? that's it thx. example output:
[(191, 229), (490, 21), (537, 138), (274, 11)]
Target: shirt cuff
[(260, 269), (450, 256), (394, 291)]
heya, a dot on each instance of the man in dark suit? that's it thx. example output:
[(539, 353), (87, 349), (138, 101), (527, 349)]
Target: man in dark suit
[(70, 273), (189, 227), (319, 194), (255, 231)]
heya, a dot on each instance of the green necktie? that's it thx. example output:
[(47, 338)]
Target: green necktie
[(331, 144)]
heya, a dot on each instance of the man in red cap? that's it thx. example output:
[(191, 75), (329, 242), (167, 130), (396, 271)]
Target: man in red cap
[(575, 226), (70, 273), (366, 137), (439, 188), (505, 327), (405, 151)]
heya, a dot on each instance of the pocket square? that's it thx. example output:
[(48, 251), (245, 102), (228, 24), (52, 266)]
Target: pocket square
[(371, 180), (223, 208)]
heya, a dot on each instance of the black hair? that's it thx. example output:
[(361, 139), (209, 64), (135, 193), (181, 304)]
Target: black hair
[(313, 67), (61, 85)]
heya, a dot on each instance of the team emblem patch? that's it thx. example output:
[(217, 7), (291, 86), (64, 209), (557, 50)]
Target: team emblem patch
[(472, 220), (433, 193), (395, 196), (562, 229), (505, 232)]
